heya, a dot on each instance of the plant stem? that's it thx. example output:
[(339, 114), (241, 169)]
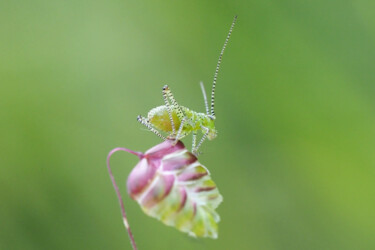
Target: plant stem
[(124, 218)]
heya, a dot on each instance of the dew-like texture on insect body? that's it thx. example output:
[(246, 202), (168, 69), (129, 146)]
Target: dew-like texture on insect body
[(160, 119), (171, 185), (194, 121)]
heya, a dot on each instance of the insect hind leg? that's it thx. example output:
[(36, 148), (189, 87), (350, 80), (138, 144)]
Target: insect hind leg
[(165, 97), (177, 107), (144, 121)]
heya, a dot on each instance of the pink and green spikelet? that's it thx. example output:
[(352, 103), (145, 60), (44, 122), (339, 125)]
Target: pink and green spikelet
[(172, 186)]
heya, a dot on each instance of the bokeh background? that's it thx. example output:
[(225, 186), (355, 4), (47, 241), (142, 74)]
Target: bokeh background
[(295, 108)]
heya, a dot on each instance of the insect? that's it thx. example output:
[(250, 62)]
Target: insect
[(179, 121)]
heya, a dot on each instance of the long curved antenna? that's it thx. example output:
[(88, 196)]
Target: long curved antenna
[(218, 66)]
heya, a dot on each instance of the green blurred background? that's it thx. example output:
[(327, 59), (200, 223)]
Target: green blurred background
[(295, 109)]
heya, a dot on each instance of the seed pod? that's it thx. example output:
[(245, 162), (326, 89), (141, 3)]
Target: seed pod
[(172, 186)]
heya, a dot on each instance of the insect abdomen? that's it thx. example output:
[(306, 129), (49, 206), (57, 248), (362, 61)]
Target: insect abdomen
[(160, 119)]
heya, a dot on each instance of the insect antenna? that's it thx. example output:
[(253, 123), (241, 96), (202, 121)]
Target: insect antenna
[(218, 66), (205, 98)]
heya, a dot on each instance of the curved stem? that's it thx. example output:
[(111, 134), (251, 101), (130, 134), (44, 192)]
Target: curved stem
[(124, 218)]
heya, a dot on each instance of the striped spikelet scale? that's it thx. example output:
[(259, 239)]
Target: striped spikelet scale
[(172, 186)]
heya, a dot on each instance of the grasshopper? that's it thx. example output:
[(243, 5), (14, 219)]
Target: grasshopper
[(179, 121)]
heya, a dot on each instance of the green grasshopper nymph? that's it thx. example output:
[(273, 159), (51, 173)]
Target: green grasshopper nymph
[(170, 116)]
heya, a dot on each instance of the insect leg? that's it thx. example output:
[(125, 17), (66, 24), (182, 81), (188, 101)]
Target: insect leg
[(180, 129), (194, 141), (195, 150), (165, 97), (168, 92), (144, 121)]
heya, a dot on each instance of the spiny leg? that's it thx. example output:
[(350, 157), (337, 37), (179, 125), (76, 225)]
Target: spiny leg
[(165, 97), (194, 140), (195, 151), (146, 123), (180, 129), (168, 92)]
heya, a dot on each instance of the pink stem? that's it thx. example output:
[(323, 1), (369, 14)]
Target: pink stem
[(125, 220)]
